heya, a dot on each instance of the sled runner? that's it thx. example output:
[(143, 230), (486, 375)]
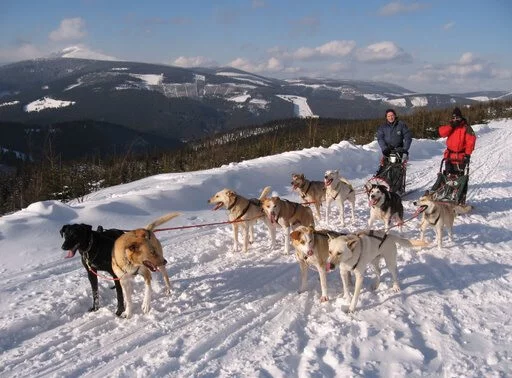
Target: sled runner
[(391, 174), (451, 186)]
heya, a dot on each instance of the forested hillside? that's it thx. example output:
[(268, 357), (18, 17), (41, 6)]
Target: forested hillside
[(52, 177)]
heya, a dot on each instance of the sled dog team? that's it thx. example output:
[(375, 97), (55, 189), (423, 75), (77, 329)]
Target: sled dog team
[(126, 254)]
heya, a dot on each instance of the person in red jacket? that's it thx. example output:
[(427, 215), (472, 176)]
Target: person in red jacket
[(459, 144)]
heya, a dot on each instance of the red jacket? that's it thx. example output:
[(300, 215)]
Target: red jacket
[(461, 141)]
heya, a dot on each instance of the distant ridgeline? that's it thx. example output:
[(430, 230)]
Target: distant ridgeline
[(69, 160)]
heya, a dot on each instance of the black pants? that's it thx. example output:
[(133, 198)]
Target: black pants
[(454, 168)]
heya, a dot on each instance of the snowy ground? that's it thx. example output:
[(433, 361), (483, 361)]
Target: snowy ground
[(234, 314)]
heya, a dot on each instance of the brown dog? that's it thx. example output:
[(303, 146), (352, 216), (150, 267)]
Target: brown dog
[(310, 191), (287, 214), (312, 250), (140, 252)]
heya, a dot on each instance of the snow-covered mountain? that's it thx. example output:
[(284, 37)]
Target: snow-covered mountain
[(233, 314), (189, 102), (82, 52)]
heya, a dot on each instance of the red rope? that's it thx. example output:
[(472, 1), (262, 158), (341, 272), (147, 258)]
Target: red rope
[(205, 224)]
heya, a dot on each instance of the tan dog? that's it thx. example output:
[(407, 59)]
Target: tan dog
[(312, 250), (439, 215), (352, 253), (140, 252), (338, 190), (310, 191), (287, 214), (243, 213)]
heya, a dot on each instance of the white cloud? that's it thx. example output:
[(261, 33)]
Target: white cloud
[(466, 69), (23, 52), (467, 58), (194, 61), (336, 48), (271, 65), (69, 29), (385, 51), (396, 7), (331, 49), (448, 25)]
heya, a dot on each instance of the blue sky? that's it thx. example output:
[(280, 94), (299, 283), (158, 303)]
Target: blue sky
[(425, 46)]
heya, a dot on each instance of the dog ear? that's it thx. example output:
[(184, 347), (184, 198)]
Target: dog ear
[(352, 242), (295, 235), (230, 193)]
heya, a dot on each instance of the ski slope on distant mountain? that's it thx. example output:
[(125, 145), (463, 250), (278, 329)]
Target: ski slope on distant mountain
[(232, 314)]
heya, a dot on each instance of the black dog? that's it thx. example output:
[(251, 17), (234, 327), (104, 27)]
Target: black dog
[(95, 248)]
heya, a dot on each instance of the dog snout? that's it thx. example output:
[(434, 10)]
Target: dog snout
[(415, 203), (332, 266), (165, 262)]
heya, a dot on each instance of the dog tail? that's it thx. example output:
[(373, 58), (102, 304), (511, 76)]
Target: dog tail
[(407, 242), (163, 219), (264, 192)]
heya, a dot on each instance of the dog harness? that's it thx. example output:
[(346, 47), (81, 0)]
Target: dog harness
[(338, 190), (372, 235), (296, 206), (437, 219), (304, 194)]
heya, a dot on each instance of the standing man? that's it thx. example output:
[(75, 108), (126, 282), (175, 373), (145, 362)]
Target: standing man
[(459, 144), (394, 137)]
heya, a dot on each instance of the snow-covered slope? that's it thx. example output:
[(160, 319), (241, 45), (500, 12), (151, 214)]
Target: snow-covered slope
[(234, 314)]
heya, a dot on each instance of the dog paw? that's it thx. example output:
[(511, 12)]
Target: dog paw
[(396, 288), (94, 308), (145, 308), (324, 298)]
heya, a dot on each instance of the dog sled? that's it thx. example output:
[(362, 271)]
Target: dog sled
[(391, 174), (451, 187)]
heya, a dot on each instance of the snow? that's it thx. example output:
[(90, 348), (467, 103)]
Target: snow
[(480, 98), (419, 101), (241, 98), (258, 102), (234, 314), (243, 77), (374, 97), (10, 103), (82, 52), (397, 102), (300, 105), (45, 103), (150, 79)]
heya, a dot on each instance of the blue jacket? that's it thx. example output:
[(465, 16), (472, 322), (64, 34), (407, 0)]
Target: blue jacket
[(394, 135)]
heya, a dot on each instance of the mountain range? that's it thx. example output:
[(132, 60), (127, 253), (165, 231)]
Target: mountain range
[(182, 104)]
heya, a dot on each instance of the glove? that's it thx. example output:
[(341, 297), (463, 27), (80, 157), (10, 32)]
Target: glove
[(386, 151), (466, 159)]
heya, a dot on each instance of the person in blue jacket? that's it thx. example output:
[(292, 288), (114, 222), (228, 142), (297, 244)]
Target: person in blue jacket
[(394, 137)]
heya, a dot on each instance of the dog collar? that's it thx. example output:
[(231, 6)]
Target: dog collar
[(91, 241), (234, 203)]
